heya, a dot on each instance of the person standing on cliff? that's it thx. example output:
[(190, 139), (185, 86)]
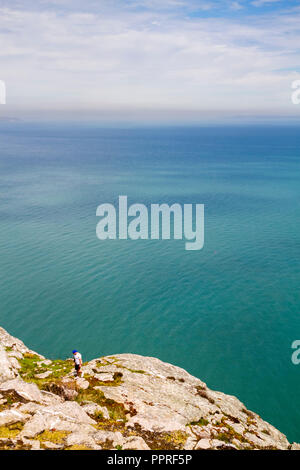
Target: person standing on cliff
[(77, 362)]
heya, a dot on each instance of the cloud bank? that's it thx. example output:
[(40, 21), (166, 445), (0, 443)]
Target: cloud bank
[(149, 55)]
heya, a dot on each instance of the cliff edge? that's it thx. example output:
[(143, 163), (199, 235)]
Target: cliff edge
[(122, 402)]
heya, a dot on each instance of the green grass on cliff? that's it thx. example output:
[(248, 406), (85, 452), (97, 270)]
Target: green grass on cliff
[(32, 365)]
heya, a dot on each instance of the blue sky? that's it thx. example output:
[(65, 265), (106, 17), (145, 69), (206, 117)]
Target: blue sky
[(112, 58), (189, 7)]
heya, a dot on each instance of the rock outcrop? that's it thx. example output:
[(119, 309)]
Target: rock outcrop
[(122, 402)]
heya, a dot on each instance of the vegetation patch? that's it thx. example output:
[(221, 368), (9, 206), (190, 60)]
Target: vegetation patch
[(117, 417), (177, 438), (132, 411), (11, 431), (8, 444), (60, 368), (232, 418), (78, 447), (94, 382), (200, 422), (248, 413), (229, 434), (103, 362), (173, 378), (136, 371), (203, 393), (98, 416), (31, 366), (116, 410), (110, 425), (159, 440), (57, 437), (90, 394), (60, 388), (11, 397)]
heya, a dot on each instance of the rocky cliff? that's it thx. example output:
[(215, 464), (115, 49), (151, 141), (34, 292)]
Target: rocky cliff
[(122, 402)]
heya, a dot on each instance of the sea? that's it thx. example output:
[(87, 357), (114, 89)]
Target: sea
[(227, 313)]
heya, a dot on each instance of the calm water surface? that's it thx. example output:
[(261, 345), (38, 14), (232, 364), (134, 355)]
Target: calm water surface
[(228, 313)]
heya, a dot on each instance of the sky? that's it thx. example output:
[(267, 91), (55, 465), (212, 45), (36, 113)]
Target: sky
[(150, 59)]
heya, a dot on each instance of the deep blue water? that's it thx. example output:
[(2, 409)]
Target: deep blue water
[(228, 313)]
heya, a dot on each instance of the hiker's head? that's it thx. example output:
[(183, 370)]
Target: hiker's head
[(74, 351)]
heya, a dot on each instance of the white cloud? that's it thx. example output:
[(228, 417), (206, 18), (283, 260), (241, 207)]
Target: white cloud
[(133, 59), (236, 6), (260, 3)]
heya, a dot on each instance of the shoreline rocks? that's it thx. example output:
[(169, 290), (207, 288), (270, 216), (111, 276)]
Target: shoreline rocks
[(122, 402)]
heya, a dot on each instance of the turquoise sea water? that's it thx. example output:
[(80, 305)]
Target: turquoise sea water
[(228, 313)]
